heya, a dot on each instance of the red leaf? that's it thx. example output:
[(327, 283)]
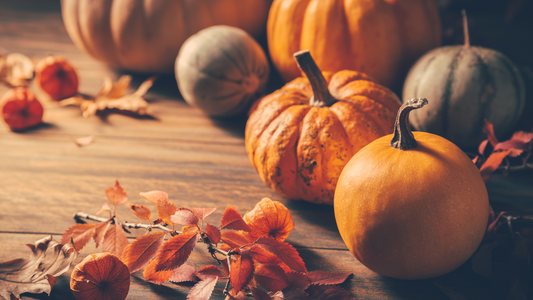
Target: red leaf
[(259, 294), (231, 219), (291, 294), (285, 252), (176, 251), (139, 253), (482, 147), (213, 233), (271, 277), (80, 234), (260, 255), (241, 272), (116, 194), (203, 289), (202, 213), (236, 239), (298, 280), (165, 209), (115, 240), (184, 273), (519, 142), (328, 292), (141, 211), (209, 271), (150, 274), (327, 278), (99, 232), (184, 216), (489, 130), (155, 196), (492, 163)]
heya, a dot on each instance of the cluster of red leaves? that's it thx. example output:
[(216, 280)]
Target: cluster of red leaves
[(251, 250), (493, 153), (109, 234)]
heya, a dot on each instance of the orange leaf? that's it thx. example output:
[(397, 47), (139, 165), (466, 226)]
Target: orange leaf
[(285, 252), (116, 194), (236, 239), (184, 216), (115, 240), (100, 231), (165, 209), (489, 130), (139, 253), (105, 207), (241, 272), (150, 274), (80, 234), (492, 163), (176, 251), (155, 196), (202, 213), (260, 255), (141, 211), (269, 218), (189, 228), (213, 233), (271, 277), (231, 219)]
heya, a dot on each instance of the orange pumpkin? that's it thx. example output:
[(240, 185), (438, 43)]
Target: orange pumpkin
[(300, 137), (411, 205), (377, 37), (146, 35)]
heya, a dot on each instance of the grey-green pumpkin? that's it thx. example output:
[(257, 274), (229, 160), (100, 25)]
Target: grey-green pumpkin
[(221, 70), (464, 86)]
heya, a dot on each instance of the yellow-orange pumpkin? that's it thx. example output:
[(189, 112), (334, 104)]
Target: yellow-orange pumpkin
[(411, 205), (377, 37), (146, 35), (300, 137)]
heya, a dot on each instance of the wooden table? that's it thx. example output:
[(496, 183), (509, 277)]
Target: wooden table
[(200, 162)]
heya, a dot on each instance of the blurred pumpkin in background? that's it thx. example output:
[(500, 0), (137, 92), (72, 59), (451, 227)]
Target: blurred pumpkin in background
[(146, 36), (377, 37)]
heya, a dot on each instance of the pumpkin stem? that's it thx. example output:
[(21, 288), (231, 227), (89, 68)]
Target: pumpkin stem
[(465, 29), (321, 96), (403, 138)]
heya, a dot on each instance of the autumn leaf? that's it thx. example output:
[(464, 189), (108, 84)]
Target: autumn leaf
[(328, 292), (141, 211), (16, 69), (105, 207), (202, 213), (269, 218), (183, 273), (327, 278), (99, 232), (115, 240), (165, 209), (488, 129), (260, 294), (298, 280), (213, 233), (139, 253), (236, 239), (176, 251), (209, 271), (150, 273), (116, 194), (285, 252), (203, 289), (241, 272), (184, 216), (492, 163), (80, 234), (48, 259), (231, 219), (113, 96), (291, 294), (519, 142), (271, 277), (259, 254), (84, 141)]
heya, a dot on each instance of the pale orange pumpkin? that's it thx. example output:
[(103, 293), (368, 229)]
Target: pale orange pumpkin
[(377, 37), (146, 36), (411, 205), (300, 137)]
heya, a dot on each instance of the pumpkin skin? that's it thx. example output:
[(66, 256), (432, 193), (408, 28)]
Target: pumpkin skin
[(145, 35), (466, 85), (299, 148), (221, 70), (377, 37), (411, 214)]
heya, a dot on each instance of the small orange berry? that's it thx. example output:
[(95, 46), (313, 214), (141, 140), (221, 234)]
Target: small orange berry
[(56, 76), (21, 109)]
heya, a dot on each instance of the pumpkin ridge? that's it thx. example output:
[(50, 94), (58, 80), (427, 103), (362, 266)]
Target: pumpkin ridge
[(417, 79), (448, 91)]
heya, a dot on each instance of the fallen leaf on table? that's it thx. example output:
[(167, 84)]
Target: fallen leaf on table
[(48, 259), (84, 141), (113, 96), (16, 69)]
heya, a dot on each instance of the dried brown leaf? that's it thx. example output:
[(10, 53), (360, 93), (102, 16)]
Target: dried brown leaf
[(16, 69), (48, 259), (80, 234)]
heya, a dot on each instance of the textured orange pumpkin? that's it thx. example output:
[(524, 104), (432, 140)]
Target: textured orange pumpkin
[(20, 109), (146, 35), (377, 37), (100, 276), (57, 77), (300, 137), (411, 205)]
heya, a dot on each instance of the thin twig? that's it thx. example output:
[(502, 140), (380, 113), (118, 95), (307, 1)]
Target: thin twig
[(228, 257), (82, 215)]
